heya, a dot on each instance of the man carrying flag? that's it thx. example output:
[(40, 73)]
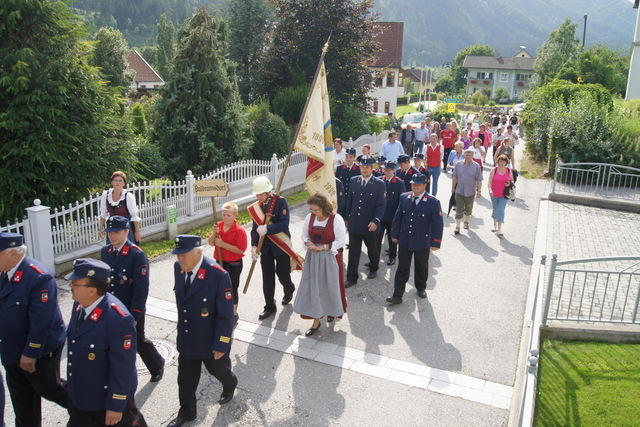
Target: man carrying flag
[(277, 255)]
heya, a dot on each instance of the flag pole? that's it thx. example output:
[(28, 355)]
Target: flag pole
[(285, 166)]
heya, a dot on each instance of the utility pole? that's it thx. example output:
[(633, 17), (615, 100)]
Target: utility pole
[(584, 30), (633, 81)]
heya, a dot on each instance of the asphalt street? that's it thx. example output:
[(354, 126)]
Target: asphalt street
[(467, 331)]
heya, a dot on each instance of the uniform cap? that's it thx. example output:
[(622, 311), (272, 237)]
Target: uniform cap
[(185, 243), (403, 158), (261, 185), (10, 240), (390, 165), (419, 179), (418, 156), (366, 160), (89, 267), (117, 223), (351, 151), (381, 159)]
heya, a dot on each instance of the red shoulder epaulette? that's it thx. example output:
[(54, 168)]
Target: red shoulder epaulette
[(217, 267), (119, 310), (36, 268)]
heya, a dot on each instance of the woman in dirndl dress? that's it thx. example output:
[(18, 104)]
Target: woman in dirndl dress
[(321, 292)]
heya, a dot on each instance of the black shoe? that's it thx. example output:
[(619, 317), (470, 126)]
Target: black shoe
[(372, 275), (349, 284), (394, 300), (391, 261), (178, 421), (287, 299), (312, 330), (266, 314), (226, 396), (422, 293), (330, 319), (386, 251)]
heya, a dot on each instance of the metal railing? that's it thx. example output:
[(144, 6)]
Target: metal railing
[(603, 290), (528, 396), (597, 179)]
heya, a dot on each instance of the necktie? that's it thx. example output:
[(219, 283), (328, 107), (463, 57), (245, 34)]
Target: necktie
[(5, 280), (81, 317), (116, 252), (187, 282), (415, 200)]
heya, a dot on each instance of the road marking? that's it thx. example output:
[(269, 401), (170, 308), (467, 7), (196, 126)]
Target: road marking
[(375, 365)]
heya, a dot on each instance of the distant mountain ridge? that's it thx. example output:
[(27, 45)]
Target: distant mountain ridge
[(435, 30)]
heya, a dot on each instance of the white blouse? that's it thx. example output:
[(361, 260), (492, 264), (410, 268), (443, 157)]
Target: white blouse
[(131, 204), (339, 230)]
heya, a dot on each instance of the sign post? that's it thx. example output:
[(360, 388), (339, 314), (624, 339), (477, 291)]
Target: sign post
[(212, 188)]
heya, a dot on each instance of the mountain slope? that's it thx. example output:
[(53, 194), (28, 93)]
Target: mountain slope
[(435, 30)]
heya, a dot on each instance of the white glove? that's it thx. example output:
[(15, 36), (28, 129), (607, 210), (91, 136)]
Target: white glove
[(262, 230)]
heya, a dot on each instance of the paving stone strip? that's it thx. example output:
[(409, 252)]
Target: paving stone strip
[(412, 374)]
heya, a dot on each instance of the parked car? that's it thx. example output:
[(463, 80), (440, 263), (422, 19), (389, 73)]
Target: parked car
[(519, 107), (413, 119)]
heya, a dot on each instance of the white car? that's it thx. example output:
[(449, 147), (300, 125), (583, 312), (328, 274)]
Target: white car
[(519, 107), (413, 119)]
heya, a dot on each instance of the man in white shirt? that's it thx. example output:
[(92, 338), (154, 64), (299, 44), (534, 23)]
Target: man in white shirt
[(339, 154), (391, 149)]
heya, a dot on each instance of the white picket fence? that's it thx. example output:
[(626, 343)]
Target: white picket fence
[(69, 230)]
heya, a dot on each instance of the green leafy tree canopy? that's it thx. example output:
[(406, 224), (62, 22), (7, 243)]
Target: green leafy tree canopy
[(110, 55), (560, 48)]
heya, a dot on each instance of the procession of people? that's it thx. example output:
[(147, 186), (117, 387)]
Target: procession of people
[(393, 196)]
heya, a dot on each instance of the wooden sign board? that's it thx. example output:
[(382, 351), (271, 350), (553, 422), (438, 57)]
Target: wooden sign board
[(211, 188)]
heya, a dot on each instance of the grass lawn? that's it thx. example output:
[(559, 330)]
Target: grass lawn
[(159, 247), (531, 169), (588, 384), (401, 110)]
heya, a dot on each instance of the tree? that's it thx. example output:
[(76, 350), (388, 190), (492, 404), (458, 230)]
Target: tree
[(599, 64), (270, 132), (479, 98), (458, 72), (166, 45), (138, 120), (501, 93), (201, 121), (249, 22), (560, 48), (110, 55), (62, 131), (303, 27), (445, 84)]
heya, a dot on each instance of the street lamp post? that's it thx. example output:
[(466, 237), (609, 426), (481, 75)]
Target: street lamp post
[(633, 81)]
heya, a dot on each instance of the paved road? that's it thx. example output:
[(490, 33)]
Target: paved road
[(450, 359)]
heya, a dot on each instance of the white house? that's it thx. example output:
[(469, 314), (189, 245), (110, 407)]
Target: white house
[(146, 77), (386, 67), (513, 73)]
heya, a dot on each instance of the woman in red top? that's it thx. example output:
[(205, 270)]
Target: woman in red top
[(229, 241), (448, 137)]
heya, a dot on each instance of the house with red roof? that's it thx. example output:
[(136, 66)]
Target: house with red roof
[(146, 79), (386, 67)]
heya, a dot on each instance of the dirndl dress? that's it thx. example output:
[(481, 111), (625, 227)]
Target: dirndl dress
[(321, 291)]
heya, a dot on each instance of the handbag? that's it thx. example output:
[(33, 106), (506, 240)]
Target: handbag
[(510, 191)]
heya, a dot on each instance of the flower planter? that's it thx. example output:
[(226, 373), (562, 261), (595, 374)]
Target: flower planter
[(520, 84), (486, 82), (473, 81)]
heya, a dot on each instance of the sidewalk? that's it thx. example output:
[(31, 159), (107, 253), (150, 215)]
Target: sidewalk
[(450, 359)]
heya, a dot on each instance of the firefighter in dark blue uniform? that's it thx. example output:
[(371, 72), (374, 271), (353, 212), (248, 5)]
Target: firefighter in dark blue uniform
[(341, 198), (394, 188), (418, 163), (365, 208), (31, 331), (405, 172), (204, 298), (378, 167), (417, 228), (129, 282), (348, 170), (101, 352), (273, 260)]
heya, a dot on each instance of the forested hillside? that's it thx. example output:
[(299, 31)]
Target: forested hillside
[(436, 29)]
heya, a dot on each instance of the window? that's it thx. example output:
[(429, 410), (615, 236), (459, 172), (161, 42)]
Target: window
[(490, 76), (504, 77), (375, 105), (391, 79), (480, 75), (523, 77), (386, 107), (378, 81)]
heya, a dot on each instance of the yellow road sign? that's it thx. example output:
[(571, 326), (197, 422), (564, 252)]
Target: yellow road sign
[(451, 108)]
